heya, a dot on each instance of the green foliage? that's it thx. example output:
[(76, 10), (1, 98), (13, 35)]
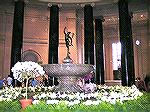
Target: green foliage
[(10, 106), (142, 104)]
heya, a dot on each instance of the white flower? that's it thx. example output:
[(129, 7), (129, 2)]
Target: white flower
[(73, 102), (35, 102), (53, 95), (82, 95), (65, 102), (1, 98), (43, 95), (104, 98), (113, 101), (96, 102), (88, 102), (22, 70), (63, 95), (35, 96), (71, 96), (52, 101)]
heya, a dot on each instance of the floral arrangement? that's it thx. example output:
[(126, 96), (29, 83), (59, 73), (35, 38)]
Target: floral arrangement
[(15, 93), (103, 95), (26, 70), (89, 87), (110, 94)]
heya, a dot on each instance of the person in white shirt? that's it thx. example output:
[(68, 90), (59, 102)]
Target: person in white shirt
[(9, 81)]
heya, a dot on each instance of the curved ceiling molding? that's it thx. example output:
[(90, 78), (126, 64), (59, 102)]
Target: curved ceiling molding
[(70, 1)]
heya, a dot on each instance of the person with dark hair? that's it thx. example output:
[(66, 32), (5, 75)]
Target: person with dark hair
[(147, 82), (9, 81), (140, 84)]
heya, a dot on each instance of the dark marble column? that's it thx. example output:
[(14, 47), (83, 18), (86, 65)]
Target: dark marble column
[(88, 35), (99, 50), (17, 34), (130, 54), (53, 34), (53, 40), (127, 54), (147, 77)]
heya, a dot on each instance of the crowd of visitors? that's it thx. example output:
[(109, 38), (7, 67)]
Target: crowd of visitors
[(38, 81), (6, 82), (142, 85)]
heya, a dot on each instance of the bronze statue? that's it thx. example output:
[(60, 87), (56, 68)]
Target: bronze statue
[(68, 39)]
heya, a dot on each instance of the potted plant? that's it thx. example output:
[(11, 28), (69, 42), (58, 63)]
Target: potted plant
[(25, 71)]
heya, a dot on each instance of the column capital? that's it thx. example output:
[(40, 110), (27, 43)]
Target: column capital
[(25, 1), (22, 0), (122, 0), (91, 4), (100, 17), (51, 4)]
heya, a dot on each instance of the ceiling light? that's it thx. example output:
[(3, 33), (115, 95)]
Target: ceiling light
[(142, 15), (137, 42)]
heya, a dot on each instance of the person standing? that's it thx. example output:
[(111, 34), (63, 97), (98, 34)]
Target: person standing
[(4, 82), (9, 81), (1, 83), (140, 84), (34, 82)]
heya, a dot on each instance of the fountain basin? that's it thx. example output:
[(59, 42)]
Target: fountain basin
[(67, 74), (67, 69)]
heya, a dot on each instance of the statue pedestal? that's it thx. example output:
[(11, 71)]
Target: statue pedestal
[(67, 60), (68, 84)]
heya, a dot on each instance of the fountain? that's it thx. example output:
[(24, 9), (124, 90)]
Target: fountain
[(68, 73)]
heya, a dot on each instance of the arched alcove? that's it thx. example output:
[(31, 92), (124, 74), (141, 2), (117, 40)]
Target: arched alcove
[(31, 55)]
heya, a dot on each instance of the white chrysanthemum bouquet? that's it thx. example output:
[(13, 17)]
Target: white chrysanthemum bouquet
[(26, 70)]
